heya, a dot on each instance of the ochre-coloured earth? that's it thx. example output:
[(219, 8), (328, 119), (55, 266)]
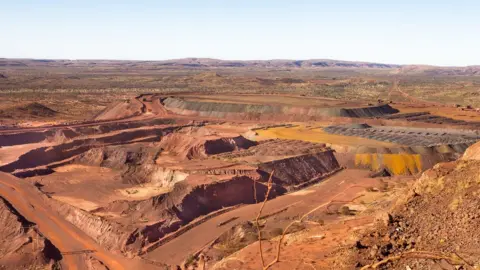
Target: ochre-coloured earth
[(188, 180)]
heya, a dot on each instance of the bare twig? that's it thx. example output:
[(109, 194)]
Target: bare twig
[(255, 191), (342, 202), (465, 261), (300, 220), (259, 231), (454, 259)]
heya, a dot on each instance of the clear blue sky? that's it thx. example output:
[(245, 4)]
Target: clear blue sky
[(403, 32)]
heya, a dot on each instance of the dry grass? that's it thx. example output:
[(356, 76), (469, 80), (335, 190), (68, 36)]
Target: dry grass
[(453, 259)]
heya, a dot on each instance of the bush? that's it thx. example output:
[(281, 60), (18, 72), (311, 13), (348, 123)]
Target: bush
[(276, 232), (189, 260), (345, 211)]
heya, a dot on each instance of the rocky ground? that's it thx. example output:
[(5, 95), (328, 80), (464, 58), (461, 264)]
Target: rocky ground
[(434, 227)]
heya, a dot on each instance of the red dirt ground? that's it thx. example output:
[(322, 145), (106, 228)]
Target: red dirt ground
[(134, 156)]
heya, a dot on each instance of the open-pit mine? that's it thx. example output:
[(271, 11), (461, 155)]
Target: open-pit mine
[(187, 179)]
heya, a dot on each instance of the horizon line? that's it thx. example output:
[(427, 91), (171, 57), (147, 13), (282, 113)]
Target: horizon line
[(231, 60)]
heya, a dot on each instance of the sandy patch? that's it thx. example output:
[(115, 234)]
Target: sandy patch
[(301, 192), (142, 192), (82, 168), (9, 154), (79, 203)]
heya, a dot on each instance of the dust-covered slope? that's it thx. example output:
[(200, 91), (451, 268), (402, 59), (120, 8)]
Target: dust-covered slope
[(120, 110), (266, 111)]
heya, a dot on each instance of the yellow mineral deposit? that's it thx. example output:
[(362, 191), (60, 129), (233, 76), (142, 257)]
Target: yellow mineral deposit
[(397, 164)]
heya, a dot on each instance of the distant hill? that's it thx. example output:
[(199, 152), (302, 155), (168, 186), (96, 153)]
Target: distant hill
[(313, 63), (209, 63), (441, 71), (197, 62)]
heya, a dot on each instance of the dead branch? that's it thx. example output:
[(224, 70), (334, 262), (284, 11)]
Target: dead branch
[(452, 258), (255, 191), (300, 220), (465, 261), (257, 219)]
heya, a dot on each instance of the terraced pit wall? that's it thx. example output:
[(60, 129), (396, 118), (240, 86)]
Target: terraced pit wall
[(138, 162), (413, 137), (192, 196), (200, 195), (268, 112), (189, 146), (297, 170), (423, 147), (187, 201), (47, 155), (426, 117), (109, 235), (18, 137)]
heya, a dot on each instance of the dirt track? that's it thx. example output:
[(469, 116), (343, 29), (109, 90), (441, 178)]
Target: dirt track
[(348, 182), (28, 201)]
